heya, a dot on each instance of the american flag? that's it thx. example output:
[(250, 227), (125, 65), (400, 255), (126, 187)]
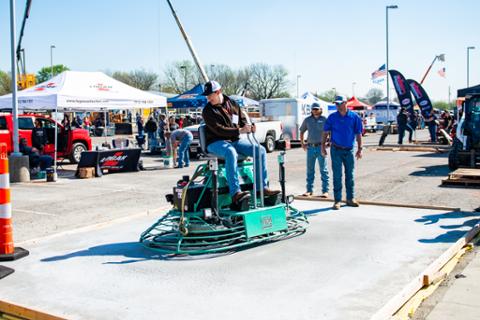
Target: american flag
[(380, 72), (441, 72)]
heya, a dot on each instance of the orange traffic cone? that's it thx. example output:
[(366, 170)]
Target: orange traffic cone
[(7, 250)]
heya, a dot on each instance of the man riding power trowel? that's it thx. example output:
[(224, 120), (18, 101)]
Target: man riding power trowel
[(224, 123), (226, 204)]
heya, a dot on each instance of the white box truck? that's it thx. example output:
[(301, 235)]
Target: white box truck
[(291, 112)]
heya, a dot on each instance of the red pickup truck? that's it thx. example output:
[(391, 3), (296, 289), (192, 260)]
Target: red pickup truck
[(70, 144)]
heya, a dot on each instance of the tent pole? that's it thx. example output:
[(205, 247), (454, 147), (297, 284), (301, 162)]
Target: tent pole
[(56, 144), (105, 127)]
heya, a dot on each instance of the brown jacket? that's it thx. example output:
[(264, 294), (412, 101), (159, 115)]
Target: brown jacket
[(218, 119)]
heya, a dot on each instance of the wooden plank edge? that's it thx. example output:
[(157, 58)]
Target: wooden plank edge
[(408, 310), (385, 204), (11, 309), (395, 304)]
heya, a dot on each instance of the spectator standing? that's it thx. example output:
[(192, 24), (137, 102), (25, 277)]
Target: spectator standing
[(402, 120), (431, 123), (343, 128), (314, 124), (151, 130)]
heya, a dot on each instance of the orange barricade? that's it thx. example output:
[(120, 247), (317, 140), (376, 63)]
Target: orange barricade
[(7, 249)]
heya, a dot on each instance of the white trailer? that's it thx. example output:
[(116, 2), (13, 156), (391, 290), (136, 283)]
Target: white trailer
[(291, 112)]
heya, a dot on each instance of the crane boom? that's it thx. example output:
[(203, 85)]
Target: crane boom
[(189, 44), (20, 59)]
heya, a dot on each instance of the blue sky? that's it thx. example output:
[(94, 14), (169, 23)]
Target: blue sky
[(331, 44)]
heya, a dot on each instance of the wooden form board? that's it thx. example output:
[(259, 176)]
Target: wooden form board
[(14, 311), (427, 276), (385, 204)]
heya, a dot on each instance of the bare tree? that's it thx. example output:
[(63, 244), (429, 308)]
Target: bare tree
[(267, 81), (374, 95), (5, 83), (328, 95), (181, 76), (139, 79), (225, 76)]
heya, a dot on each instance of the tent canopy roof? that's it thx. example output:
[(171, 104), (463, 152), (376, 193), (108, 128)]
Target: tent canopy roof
[(83, 91), (353, 103)]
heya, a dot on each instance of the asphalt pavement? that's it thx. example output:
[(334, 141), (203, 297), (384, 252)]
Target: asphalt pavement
[(43, 211)]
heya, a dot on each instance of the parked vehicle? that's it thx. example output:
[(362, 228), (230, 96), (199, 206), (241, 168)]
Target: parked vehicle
[(465, 151), (71, 142), (291, 113), (383, 115)]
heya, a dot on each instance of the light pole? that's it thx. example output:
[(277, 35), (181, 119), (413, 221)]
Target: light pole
[(298, 78), (388, 82), (468, 64), (353, 88), (184, 68), (51, 59), (16, 148)]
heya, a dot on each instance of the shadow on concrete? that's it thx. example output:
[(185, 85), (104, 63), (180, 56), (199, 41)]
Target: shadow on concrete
[(316, 211), (433, 155), (432, 171), (456, 231), (134, 251), (434, 218)]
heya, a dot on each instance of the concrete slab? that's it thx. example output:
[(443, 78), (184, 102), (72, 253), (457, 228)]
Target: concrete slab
[(347, 266)]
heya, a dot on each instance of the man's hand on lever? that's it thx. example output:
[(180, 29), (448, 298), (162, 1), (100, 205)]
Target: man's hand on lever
[(246, 129)]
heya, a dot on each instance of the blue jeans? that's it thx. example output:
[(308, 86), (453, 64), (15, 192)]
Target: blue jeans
[(401, 133), (152, 140), (183, 151), (342, 158), (432, 129), (229, 151), (314, 154)]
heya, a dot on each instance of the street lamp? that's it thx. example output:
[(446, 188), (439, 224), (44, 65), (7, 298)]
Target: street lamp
[(388, 83), (51, 59), (298, 78), (184, 68), (468, 64), (353, 88)]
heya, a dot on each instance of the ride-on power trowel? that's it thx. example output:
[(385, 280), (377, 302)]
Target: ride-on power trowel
[(204, 219)]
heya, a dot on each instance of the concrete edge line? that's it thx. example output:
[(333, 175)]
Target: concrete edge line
[(385, 204), (389, 310), (96, 226), (11, 310)]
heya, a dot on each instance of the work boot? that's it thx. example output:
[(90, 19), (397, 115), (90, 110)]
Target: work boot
[(269, 192), (240, 195), (308, 194), (240, 201), (353, 203), (324, 195), (336, 205)]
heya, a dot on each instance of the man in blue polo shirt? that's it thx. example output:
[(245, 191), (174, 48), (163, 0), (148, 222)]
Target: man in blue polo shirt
[(343, 128)]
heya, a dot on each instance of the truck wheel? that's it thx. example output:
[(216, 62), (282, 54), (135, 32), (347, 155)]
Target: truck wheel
[(77, 150), (269, 143)]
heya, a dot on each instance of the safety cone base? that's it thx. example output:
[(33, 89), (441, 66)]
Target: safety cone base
[(4, 271), (18, 253)]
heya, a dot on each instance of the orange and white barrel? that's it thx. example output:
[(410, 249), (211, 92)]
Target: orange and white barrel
[(6, 230)]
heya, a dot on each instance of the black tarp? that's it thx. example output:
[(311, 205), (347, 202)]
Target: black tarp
[(468, 91)]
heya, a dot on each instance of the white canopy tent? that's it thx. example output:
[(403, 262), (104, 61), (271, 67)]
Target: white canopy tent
[(82, 91)]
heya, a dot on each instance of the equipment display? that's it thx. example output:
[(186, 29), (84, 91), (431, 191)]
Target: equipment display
[(204, 219)]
